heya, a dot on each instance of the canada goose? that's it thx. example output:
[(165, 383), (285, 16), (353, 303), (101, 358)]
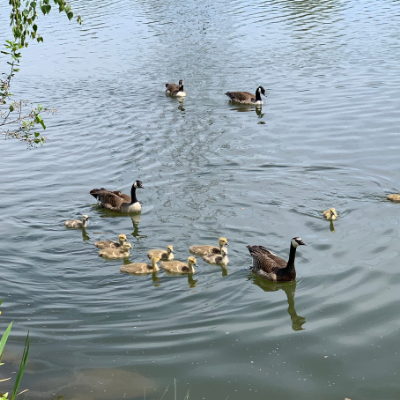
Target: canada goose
[(162, 254), (207, 249), (394, 197), (103, 244), (117, 201), (247, 97), (330, 214), (175, 90), (179, 266), (142, 268), (120, 252), (75, 223), (217, 259), (269, 266)]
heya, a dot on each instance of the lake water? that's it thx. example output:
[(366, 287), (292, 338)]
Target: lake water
[(327, 136)]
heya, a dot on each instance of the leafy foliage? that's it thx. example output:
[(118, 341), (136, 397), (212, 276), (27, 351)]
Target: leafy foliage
[(22, 366), (15, 121)]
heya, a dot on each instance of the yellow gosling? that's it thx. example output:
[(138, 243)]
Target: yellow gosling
[(103, 244), (330, 214), (142, 268), (217, 259), (120, 252), (162, 254), (207, 249), (394, 197), (75, 223), (179, 267)]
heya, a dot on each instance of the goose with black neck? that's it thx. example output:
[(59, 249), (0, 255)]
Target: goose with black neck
[(117, 201), (269, 266)]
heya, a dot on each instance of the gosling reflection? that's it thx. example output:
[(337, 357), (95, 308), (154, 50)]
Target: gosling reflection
[(85, 236), (135, 223), (290, 289), (331, 227)]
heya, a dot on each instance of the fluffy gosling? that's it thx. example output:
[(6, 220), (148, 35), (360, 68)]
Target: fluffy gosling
[(180, 267), (120, 252), (75, 223), (103, 244), (162, 254), (142, 268), (217, 259), (207, 249), (330, 214)]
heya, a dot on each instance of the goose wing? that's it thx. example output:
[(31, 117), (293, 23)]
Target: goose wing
[(108, 199), (241, 96), (265, 260), (171, 87)]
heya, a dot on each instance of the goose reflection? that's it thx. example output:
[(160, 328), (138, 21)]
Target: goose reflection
[(85, 236), (290, 289), (248, 108), (135, 223)]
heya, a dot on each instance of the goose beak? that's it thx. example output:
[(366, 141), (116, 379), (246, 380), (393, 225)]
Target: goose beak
[(226, 244), (301, 243)]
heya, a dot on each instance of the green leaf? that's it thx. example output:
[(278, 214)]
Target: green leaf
[(33, 4), (37, 134), (25, 12), (48, 8), (70, 15), (11, 108), (34, 27), (21, 367), (4, 339), (4, 52)]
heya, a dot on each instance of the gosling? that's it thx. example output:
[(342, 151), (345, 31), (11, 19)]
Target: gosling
[(142, 268), (104, 244), (207, 249), (330, 214), (393, 197), (180, 267), (120, 252), (75, 223), (217, 259), (162, 254)]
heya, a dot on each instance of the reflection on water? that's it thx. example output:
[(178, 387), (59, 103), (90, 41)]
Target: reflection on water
[(290, 289), (331, 227)]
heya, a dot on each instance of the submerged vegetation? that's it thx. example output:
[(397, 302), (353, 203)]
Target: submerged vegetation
[(18, 118), (21, 367)]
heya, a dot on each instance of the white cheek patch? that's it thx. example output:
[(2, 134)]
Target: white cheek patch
[(294, 243)]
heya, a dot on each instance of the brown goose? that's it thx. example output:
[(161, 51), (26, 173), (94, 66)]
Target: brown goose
[(217, 259), (269, 266), (120, 252), (179, 266), (117, 201), (247, 97), (208, 249), (103, 244), (175, 90), (162, 254), (142, 268), (75, 223), (330, 214)]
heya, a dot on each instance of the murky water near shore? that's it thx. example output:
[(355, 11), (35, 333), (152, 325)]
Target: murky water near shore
[(327, 135)]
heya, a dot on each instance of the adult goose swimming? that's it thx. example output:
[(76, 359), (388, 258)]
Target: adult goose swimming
[(269, 266), (175, 90), (117, 201), (247, 97)]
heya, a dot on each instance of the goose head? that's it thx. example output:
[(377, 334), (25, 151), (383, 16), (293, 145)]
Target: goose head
[(296, 242), (170, 249), (85, 217), (192, 263), (223, 242), (138, 185), (261, 90), (126, 246), (333, 212), (121, 238)]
